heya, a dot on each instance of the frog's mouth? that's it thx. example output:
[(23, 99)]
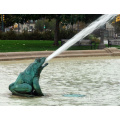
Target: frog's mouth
[(44, 64)]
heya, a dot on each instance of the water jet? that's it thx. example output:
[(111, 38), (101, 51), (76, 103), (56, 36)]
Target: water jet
[(86, 31)]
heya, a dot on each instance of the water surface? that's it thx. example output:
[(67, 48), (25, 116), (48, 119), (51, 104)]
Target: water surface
[(98, 78)]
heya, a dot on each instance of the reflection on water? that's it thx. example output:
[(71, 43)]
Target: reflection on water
[(96, 78)]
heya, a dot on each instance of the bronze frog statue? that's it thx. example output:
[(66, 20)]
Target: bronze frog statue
[(27, 83)]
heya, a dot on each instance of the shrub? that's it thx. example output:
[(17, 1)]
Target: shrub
[(0, 35), (93, 38), (35, 36), (11, 35), (47, 35), (67, 34)]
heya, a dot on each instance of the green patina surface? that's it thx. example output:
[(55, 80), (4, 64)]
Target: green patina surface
[(27, 83)]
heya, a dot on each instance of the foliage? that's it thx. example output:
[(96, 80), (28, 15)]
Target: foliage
[(47, 35), (64, 18), (49, 25), (116, 26), (67, 34), (88, 18), (9, 20), (93, 38), (70, 19), (11, 35)]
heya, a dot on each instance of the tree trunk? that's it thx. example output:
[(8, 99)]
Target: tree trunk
[(72, 26), (56, 35)]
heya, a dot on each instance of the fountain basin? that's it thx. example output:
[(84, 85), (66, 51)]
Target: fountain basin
[(95, 77)]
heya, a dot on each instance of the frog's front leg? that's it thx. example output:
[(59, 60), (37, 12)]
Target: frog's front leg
[(36, 86)]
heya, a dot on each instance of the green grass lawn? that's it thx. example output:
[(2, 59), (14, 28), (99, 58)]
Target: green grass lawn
[(33, 45), (26, 45), (117, 46)]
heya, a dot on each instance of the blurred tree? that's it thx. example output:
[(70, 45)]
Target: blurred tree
[(49, 25), (69, 18), (64, 18), (116, 23), (9, 20)]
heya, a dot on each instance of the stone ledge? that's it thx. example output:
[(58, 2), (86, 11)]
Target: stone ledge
[(72, 53)]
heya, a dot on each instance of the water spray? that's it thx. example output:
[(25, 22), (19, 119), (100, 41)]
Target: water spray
[(79, 36)]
